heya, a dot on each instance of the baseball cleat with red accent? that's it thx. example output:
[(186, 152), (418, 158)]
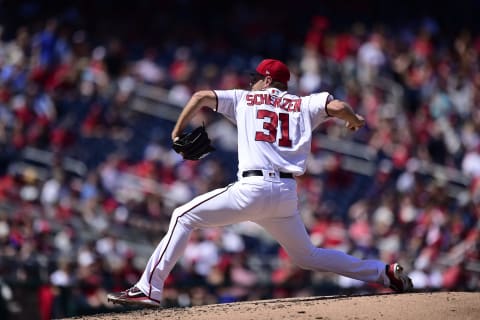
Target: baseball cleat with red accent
[(399, 281), (132, 297)]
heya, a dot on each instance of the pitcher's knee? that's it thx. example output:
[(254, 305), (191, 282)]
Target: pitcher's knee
[(178, 212), (182, 217), (307, 259), (303, 262)]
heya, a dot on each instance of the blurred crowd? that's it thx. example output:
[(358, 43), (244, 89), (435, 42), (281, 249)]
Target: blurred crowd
[(87, 184)]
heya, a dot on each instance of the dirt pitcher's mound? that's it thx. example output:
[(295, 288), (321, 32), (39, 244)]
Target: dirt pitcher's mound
[(437, 306)]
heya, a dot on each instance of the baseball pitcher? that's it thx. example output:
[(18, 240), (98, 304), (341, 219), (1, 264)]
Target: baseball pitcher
[(274, 140)]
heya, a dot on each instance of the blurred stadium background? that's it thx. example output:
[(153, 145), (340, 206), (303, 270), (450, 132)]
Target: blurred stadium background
[(89, 91)]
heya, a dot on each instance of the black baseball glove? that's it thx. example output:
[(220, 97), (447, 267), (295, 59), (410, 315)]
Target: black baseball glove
[(193, 145)]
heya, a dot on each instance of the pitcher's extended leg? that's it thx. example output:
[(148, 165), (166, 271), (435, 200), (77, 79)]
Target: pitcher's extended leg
[(291, 234)]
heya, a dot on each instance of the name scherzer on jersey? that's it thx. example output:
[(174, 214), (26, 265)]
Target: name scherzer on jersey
[(275, 128)]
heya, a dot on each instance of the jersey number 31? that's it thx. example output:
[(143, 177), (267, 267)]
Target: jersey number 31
[(271, 120)]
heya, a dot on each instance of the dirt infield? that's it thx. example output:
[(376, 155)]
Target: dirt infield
[(437, 306)]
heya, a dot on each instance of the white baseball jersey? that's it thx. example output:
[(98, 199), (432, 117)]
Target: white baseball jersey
[(274, 127)]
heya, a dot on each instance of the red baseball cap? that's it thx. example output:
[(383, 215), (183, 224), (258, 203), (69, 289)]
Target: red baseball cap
[(275, 69)]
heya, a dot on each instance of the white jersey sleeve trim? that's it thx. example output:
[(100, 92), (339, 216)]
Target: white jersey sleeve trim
[(317, 106), (329, 99), (216, 101)]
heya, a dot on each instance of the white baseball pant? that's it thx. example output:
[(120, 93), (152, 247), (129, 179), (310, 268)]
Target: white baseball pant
[(269, 202)]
